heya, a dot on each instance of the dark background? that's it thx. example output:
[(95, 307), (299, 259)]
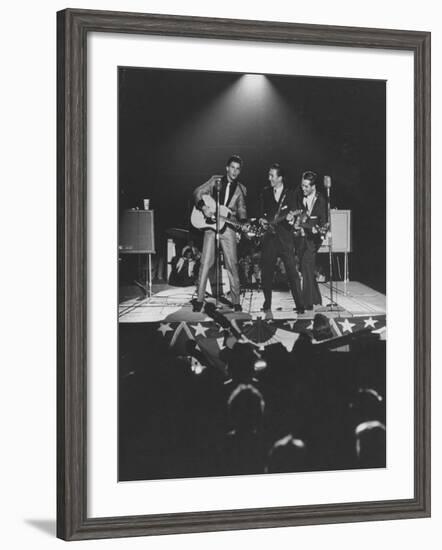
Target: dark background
[(177, 128)]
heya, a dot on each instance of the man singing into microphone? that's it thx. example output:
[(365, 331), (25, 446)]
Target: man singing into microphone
[(232, 194), (315, 210)]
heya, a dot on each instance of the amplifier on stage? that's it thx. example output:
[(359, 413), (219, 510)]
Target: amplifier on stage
[(136, 234), (341, 232), (341, 238)]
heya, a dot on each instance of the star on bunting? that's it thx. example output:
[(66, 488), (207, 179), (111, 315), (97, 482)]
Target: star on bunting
[(347, 326), (199, 329), (370, 323), (291, 324), (310, 326), (165, 327)]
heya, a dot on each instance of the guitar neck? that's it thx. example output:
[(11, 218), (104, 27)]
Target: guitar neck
[(233, 223), (229, 221), (283, 216), (321, 229)]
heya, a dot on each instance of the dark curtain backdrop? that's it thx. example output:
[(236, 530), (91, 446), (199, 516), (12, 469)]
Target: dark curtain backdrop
[(177, 128)]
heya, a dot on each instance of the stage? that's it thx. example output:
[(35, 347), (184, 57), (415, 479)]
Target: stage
[(170, 303), (167, 318)]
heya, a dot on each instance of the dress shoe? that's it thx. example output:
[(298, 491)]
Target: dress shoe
[(237, 307), (299, 310), (197, 306)]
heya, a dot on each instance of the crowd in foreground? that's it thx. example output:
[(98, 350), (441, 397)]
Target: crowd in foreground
[(306, 410)]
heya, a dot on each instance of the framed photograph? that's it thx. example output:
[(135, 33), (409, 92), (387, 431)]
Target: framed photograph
[(243, 274)]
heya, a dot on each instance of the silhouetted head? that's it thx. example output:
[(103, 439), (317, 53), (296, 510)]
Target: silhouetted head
[(241, 362), (367, 404), (246, 408), (321, 327), (275, 354), (287, 455), (370, 441), (303, 345)]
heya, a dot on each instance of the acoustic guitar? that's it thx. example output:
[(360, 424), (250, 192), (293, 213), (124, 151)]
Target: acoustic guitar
[(207, 219)]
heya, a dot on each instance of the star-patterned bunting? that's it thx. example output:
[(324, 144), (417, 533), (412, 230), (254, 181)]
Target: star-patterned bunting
[(370, 322), (347, 326), (164, 328), (200, 330), (259, 332)]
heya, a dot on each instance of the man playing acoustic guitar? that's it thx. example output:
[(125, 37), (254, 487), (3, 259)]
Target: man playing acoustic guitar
[(233, 196), (278, 205)]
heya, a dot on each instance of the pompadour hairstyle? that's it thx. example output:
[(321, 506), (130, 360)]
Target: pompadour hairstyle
[(276, 166), (310, 176), (234, 158)]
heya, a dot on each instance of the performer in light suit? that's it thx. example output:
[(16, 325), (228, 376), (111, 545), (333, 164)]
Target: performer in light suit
[(232, 195)]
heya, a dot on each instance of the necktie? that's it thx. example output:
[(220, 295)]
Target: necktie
[(226, 196), (308, 203)]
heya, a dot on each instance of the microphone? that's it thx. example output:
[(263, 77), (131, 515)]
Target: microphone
[(218, 185), (327, 184)]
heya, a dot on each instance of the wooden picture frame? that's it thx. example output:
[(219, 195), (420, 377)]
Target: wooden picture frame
[(73, 27)]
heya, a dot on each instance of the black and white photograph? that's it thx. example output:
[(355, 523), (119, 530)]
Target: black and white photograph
[(219, 251), (252, 320)]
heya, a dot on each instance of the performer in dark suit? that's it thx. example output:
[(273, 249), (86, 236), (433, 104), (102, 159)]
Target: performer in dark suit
[(232, 195), (277, 204), (314, 207)]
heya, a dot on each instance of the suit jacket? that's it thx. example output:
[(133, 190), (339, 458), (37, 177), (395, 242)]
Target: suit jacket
[(318, 216), (237, 201), (319, 210), (270, 209)]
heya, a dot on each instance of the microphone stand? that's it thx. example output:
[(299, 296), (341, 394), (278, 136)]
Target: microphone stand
[(332, 305), (217, 243)]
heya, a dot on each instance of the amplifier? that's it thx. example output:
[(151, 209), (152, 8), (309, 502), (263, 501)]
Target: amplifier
[(341, 232), (136, 232)]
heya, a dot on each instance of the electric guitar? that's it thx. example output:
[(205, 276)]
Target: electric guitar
[(270, 226), (305, 224)]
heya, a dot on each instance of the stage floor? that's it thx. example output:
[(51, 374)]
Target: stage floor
[(173, 304)]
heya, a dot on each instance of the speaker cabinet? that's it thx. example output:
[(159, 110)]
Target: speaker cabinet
[(136, 232)]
